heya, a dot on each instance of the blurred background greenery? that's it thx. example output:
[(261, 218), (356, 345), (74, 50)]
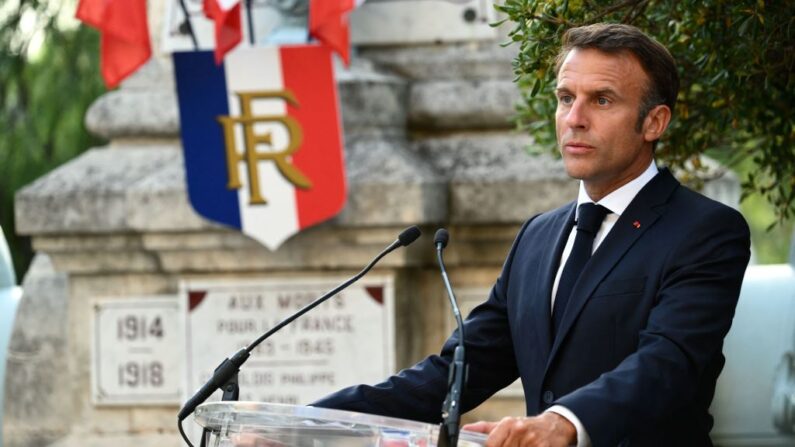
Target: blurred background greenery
[(736, 62), (771, 237), (49, 75)]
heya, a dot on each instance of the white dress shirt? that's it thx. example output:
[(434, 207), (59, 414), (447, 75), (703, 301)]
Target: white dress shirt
[(617, 201)]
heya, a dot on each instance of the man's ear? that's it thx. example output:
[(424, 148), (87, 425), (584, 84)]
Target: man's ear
[(656, 122)]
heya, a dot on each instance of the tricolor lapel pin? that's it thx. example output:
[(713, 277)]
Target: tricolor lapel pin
[(636, 224)]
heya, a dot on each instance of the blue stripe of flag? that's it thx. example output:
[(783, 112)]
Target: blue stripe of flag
[(201, 90)]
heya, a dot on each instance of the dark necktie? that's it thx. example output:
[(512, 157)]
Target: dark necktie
[(589, 219)]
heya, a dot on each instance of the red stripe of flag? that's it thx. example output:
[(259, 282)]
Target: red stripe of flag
[(328, 22), (228, 32), (124, 44), (307, 72)]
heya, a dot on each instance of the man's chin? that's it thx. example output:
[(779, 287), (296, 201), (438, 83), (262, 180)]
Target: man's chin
[(577, 170)]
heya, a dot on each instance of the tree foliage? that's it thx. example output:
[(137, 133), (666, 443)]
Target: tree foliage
[(736, 61), (44, 95)]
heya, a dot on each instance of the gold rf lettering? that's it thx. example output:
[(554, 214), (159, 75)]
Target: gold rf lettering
[(251, 156)]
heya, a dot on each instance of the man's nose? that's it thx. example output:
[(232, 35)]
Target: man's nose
[(576, 117)]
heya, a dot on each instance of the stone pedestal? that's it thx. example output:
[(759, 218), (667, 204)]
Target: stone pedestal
[(428, 141)]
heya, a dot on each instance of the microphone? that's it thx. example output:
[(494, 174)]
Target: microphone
[(441, 238), (451, 408), (227, 370), (408, 236)]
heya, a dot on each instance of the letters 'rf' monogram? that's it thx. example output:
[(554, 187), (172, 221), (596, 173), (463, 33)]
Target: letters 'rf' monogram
[(251, 156)]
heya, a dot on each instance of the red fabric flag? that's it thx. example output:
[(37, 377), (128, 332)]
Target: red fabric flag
[(228, 32), (124, 45), (328, 22)]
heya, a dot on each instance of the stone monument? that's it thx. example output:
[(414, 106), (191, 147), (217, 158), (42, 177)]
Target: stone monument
[(426, 103)]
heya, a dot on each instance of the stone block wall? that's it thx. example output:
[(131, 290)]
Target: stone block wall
[(429, 141)]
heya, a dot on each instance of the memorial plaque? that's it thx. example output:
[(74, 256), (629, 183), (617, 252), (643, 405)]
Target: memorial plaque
[(347, 340), (137, 351)]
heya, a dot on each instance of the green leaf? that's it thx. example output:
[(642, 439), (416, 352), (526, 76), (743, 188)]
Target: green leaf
[(737, 82), (498, 22), (536, 87)]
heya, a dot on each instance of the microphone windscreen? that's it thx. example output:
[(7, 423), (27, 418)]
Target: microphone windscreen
[(409, 235), (441, 237)]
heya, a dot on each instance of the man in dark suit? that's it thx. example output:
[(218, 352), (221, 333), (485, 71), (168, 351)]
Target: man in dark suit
[(612, 309)]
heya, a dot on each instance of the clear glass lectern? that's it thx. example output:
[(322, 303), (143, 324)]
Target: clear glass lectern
[(256, 424)]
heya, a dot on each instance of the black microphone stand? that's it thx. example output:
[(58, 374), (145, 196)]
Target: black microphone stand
[(451, 408), (226, 374)]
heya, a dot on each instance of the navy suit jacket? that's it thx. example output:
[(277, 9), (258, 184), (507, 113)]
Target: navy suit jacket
[(640, 344)]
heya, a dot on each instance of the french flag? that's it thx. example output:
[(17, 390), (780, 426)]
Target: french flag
[(207, 92)]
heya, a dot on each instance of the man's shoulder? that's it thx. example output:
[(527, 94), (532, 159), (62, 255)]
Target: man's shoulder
[(554, 217), (693, 218), (664, 195), (545, 227), (695, 204)]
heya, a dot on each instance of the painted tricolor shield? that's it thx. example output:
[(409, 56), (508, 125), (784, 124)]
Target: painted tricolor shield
[(261, 137)]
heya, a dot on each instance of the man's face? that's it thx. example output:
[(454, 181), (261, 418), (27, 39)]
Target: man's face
[(599, 97)]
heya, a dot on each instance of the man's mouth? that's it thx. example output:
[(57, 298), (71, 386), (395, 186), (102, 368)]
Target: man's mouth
[(577, 147)]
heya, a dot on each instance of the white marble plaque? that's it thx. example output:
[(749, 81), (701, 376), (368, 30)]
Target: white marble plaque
[(347, 340), (137, 351)]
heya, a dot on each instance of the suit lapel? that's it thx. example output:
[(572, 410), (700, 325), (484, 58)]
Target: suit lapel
[(622, 236), (540, 308)]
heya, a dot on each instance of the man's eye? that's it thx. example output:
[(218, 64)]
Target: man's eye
[(603, 101), (565, 99)]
